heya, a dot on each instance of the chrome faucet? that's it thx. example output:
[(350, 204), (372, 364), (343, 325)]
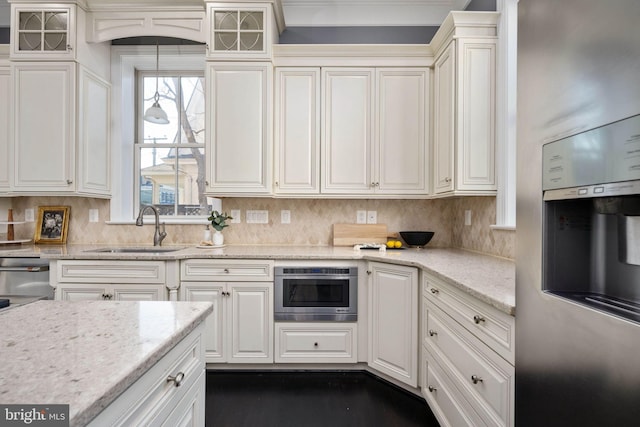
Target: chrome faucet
[(158, 235)]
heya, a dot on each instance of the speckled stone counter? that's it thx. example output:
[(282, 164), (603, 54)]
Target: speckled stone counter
[(86, 354), (490, 279)]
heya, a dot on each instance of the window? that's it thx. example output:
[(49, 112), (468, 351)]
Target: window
[(169, 158)]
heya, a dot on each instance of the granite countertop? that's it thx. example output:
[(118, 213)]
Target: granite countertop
[(86, 354), (488, 278)]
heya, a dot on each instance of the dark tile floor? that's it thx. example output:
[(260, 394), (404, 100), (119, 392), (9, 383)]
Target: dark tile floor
[(310, 399)]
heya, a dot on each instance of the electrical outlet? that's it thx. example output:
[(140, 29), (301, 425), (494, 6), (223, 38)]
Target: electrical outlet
[(467, 217), (285, 217), (28, 215), (372, 217), (361, 217), (236, 215), (257, 217), (93, 215)]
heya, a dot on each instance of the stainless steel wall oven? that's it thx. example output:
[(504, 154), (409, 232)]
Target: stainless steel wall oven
[(316, 294)]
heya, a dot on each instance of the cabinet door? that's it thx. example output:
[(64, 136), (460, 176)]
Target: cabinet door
[(93, 134), (297, 131), (43, 32), (347, 130), (476, 115), (393, 321), (250, 322), (237, 32), (238, 122), (44, 132), (444, 120), (213, 336), (401, 150), (81, 292), (5, 81)]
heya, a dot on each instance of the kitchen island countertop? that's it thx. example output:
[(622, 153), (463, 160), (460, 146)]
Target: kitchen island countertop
[(86, 354)]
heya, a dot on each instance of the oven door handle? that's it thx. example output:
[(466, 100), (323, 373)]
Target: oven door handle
[(30, 269)]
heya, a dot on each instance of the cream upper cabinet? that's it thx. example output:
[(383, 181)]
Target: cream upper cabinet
[(393, 321), (401, 150), (238, 142), (43, 126), (5, 118), (240, 31), (464, 117), (347, 130), (375, 131), (43, 31), (61, 123), (297, 131)]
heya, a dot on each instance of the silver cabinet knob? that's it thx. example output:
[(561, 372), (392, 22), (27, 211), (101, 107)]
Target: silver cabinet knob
[(176, 380), (432, 333), (477, 319), (432, 388), (69, 182), (476, 379), (447, 180), (226, 270), (434, 291), (315, 344)]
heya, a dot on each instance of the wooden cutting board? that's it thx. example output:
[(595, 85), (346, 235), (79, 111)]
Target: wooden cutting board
[(354, 234)]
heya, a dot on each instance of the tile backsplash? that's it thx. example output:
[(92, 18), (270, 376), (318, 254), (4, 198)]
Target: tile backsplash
[(311, 222)]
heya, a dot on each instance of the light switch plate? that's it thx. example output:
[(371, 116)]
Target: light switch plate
[(236, 215), (93, 215), (28, 215), (285, 217), (361, 217), (467, 217), (372, 217)]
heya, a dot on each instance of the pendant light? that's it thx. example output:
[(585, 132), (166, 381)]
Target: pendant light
[(155, 113)]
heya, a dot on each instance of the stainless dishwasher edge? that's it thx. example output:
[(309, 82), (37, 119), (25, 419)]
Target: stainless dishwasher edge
[(25, 277)]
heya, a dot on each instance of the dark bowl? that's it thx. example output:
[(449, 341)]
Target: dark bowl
[(416, 238)]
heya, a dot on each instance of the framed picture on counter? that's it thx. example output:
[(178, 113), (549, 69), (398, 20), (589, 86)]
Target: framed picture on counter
[(52, 225)]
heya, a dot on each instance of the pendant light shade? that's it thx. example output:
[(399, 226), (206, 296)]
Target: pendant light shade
[(155, 113)]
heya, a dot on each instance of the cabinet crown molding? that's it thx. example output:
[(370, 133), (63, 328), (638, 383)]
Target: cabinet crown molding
[(468, 24)]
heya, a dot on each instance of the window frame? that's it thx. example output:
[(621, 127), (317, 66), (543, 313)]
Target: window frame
[(126, 60)]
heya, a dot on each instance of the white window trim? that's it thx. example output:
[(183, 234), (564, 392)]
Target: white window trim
[(506, 115), (124, 62)]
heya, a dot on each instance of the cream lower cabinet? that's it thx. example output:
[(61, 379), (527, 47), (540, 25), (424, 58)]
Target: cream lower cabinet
[(5, 114), (321, 342), (393, 321), (240, 329), (84, 280), (154, 401), (467, 371)]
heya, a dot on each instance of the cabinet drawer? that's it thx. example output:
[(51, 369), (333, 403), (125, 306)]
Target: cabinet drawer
[(111, 272), (226, 270), (153, 397), (487, 323), (316, 343), (448, 405), (482, 375)]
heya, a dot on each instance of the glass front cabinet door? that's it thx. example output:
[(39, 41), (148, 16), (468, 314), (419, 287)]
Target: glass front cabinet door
[(239, 32), (42, 32)]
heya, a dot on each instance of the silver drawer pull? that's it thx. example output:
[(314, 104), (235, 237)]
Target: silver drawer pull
[(177, 380), (477, 319), (226, 270), (432, 333), (476, 379), (434, 291), (432, 388)]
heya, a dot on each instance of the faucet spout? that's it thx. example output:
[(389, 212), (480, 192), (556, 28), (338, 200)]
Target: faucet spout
[(159, 234)]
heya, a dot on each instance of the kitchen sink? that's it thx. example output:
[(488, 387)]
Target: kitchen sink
[(143, 250)]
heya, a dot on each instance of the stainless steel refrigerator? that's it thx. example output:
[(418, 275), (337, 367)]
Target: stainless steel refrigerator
[(578, 213)]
